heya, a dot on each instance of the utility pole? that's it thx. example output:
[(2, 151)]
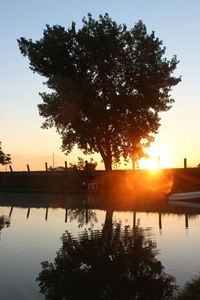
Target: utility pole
[(53, 159)]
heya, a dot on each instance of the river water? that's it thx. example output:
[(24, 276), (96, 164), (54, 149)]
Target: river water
[(67, 247)]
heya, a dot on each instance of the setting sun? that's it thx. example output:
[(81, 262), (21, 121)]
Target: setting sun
[(158, 158)]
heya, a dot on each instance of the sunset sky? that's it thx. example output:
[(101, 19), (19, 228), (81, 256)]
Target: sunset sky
[(175, 22)]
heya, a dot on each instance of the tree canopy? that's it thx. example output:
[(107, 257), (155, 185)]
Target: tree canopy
[(4, 158), (107, 84)]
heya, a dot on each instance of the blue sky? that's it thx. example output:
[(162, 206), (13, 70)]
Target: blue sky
[(176, 23)]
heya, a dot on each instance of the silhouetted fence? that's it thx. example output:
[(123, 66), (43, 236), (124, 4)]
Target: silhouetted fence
[(65, 168)]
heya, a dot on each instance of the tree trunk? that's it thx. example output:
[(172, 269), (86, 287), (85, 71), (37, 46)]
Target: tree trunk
[(107, 229), (107, 163), (133, 160), (106, 155), (133, 164)]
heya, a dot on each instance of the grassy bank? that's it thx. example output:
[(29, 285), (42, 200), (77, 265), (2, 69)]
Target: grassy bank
[(119, 181)]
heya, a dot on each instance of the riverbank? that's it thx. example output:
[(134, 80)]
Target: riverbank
[(118, 181)]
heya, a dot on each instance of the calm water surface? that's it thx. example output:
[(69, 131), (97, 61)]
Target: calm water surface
[(100, 248)]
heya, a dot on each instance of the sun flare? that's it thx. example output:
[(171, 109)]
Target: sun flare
[(158, 158)]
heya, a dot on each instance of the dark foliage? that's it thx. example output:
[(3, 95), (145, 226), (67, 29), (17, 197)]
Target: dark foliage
[(108, 84), (4, 158), (191, 290)]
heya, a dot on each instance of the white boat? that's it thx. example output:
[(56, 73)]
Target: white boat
[(185, 204), (184, 196)]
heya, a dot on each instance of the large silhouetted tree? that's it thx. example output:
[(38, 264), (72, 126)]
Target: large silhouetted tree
[(4, 158), (108, 83)]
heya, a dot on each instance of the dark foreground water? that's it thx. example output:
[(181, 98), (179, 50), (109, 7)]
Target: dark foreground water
[(65, 247)]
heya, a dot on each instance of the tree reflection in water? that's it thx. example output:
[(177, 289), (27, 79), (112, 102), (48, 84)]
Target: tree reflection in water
[(191, 290), (83, 216), (116, 264), (4, 222)]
